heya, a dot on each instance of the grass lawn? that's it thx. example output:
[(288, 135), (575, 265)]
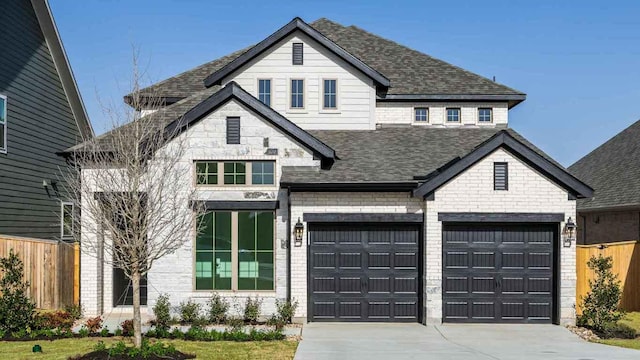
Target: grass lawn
[(61, 349), (631, 319)]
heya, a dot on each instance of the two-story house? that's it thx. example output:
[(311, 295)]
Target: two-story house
[(41, 114), (366, 180)]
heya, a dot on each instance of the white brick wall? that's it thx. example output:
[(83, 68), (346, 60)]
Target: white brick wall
[(206, 140), (472, 191), (403, 113), (338, 203)]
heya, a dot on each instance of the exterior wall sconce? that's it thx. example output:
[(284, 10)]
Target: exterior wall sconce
[(569, 232), (298, 231)]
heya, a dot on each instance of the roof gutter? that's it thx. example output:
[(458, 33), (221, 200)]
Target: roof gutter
[(351, 187), (512, 99)]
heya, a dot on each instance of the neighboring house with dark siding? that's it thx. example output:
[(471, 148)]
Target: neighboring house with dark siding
[(41, 114), (613, 170)]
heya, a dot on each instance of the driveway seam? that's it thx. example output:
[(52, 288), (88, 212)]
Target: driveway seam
[(464, 346)]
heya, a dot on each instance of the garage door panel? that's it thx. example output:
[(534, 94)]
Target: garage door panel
[(509, 280), (374, 280)]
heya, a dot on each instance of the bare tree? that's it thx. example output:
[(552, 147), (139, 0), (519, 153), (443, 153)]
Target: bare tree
[(132, 191)]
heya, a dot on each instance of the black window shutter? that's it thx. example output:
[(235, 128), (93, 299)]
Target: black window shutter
[(500, 176), (297, 54), (233, 130)]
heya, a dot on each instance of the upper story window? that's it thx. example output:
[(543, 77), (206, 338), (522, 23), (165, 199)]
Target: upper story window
[(421, 114), (235, 172), (297, 94), (66, 220), (453, 114), (297, 55), (264, 91), (485, 115), (3, 124), (330, 94)]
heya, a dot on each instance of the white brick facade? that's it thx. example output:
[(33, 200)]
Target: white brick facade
[(472, 191)]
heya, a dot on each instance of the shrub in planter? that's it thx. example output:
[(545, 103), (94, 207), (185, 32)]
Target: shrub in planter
[(218, 308), (59, 319), (600, 305), (286, 309), (277, 322), (76, 311), (83, 332), (127, 327), (235, 323), (189, 312), (94, 324), (252, 310), (162, 312), (17, 311), (105, 332)]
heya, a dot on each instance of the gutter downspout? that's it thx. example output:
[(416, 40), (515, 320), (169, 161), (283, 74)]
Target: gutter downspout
[(288, 244)]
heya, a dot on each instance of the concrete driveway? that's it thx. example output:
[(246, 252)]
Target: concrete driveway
[(450, 342)]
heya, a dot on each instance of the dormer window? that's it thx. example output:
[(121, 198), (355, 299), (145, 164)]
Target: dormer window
[(485, 115), (297, 94), (421, 115), (264, 91), (453, 115), (330, 100), (297, 54)]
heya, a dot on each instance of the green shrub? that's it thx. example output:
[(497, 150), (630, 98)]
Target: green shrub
[(196, 333), (235, 323), (277, 322), (162, 312), (118, 332), (189, 312), (177, 334), (600, 305), (59, 319), (252, 310), (127, 327), (105, 332), (83, 332), (99, 346), (617, 330), (286, 309), (76, 311), (218, 308), (17, 311)]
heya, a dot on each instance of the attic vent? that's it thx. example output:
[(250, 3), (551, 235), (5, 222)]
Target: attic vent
[(500, 176), (297, 57), (233, 130)]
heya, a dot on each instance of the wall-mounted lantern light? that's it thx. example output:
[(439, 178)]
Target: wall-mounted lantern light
[(569, 232), (298, 231)]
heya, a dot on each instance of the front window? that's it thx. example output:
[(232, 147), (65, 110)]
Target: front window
[(330, 94), (235, 173), (264, 91), (421, 114), (297, 94), (253, 243), (207, 173), (453, 115), (66, 225), (262, 173), (3, 123), (484, 115)]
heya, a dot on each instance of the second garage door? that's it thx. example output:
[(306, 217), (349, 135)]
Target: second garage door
[(498, 272), (364, 272)]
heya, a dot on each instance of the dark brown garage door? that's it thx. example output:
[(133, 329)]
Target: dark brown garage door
[(498, 273), (364, 272)]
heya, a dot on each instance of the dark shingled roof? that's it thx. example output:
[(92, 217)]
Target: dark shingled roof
[(613, 171), (395, 154), (411, 72)]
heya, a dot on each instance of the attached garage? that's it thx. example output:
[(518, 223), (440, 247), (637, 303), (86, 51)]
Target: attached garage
[(500, 272), (365, 272)]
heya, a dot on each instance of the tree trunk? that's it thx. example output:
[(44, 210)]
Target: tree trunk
[(137, 322)]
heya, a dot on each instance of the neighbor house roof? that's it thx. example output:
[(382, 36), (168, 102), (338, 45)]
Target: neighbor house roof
[(613, 170), (401, 158), (413, 75), (61, 62)]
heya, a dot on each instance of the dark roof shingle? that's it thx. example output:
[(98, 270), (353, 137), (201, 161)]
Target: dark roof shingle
[(613, 171), (411, 72)]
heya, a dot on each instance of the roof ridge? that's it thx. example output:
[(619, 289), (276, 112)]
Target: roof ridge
[(354, 27), (608, 142)]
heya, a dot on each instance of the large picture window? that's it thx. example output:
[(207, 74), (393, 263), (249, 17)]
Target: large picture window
[(252, 267), (235, 172)]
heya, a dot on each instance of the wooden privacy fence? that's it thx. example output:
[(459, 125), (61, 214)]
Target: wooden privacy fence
[(50, 268), (626, 264)]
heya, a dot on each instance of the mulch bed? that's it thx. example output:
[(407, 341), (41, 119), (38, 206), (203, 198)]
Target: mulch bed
[(104, 355)]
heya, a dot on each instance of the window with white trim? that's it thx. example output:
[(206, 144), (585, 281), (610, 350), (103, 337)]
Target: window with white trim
[(421, 114), (330, 91), (3, 124), (453, 114), (485, 115), (297, 94), (66, 220), (264, 91)]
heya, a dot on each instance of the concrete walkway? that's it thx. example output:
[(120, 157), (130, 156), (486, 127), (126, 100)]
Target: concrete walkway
[(450, 342)]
